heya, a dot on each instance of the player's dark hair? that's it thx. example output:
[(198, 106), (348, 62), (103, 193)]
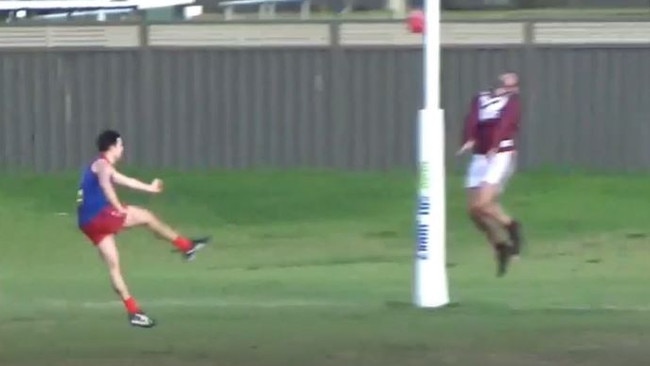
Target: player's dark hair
[(106, 139)]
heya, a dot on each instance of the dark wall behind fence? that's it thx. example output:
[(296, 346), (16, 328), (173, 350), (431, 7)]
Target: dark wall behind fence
[(350, 106)]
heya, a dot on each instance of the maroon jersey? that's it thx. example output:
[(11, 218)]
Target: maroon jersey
[(493, 122)]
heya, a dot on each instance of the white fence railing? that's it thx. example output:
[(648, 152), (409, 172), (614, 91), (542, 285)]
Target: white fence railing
[(266, 8), (323, 34)]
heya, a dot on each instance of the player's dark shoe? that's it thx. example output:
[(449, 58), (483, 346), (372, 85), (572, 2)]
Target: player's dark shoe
[(197, 245), (503, 253), (514, 231), (141, 320)]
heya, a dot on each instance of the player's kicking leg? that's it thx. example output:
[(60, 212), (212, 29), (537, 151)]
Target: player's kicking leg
[(110, 255), (138, 216)]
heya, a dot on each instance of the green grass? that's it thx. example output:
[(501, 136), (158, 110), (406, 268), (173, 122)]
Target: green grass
[(314, 268)]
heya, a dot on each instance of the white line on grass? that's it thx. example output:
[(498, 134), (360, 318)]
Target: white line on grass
[(205, 302)]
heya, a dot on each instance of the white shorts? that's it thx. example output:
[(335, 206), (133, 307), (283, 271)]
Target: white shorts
[(495, 172)]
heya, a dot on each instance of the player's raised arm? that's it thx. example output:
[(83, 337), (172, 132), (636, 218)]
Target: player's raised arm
[(154, 187), (104, 173)]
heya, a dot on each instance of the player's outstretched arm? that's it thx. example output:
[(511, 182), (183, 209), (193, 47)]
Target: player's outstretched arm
[(469, 145), (154, 187), (469, 128)]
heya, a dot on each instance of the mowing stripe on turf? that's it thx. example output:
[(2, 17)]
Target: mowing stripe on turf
[(297, 303), (583, 308)]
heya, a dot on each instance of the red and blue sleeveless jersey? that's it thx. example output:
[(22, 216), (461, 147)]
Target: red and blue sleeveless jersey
[(90, 196)]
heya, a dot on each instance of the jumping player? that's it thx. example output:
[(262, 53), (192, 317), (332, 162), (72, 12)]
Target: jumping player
[(490, 130), (101, 216)]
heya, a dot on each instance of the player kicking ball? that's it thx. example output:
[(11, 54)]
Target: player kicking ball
[(101, 216)]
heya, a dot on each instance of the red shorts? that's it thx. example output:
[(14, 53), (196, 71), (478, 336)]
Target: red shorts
[(108, 222)]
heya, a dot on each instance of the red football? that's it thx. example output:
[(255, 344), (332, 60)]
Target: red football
[(415, 21)]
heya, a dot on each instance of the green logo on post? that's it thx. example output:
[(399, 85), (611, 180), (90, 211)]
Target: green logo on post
[(424, 175)]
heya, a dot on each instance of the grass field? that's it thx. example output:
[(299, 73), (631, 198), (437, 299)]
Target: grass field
[(314, 268)]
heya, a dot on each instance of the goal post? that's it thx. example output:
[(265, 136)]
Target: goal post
[(430, 284)]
